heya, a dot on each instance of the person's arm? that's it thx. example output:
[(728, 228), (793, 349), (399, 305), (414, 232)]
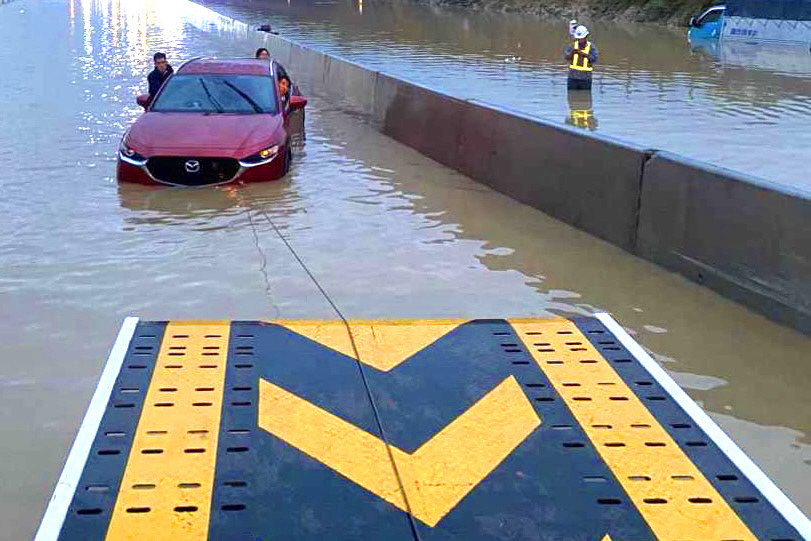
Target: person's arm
[(593, 54), (568, 53), (154, 81)]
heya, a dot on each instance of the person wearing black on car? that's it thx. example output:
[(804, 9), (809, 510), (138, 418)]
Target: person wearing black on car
[(159, 75)]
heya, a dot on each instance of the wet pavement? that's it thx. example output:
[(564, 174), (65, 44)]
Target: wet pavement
[(386, 232)]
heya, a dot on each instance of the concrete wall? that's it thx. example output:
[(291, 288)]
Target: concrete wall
[(745, 238), (742, 237)]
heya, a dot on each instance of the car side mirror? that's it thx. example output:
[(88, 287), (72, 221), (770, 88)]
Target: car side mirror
[(694, 22), (143, 100), (297, 102)]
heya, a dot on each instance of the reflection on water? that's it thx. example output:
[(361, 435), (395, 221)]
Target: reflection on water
[(649, 86), (387, 232), (581, 110), (789, 60)]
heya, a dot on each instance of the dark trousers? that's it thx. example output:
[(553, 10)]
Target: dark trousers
[(579, 84)]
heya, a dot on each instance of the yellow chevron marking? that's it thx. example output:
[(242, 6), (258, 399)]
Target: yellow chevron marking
[(381, 345), (436, 476)]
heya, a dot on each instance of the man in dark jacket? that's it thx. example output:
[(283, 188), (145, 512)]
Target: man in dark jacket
[(161, 72), (581, 57)]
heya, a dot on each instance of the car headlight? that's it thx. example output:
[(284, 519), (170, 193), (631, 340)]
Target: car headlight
[(129, 155), (261, 157)]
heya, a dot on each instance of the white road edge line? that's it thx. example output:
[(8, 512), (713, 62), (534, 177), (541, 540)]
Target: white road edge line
[(766, 486), (57, 509)]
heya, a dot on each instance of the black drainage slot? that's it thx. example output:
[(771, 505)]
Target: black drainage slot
[(93, 511), (235, 484)]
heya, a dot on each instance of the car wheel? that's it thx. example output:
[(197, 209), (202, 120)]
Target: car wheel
[(288, 157)]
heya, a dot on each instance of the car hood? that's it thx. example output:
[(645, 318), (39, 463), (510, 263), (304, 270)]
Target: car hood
[(233, 136)]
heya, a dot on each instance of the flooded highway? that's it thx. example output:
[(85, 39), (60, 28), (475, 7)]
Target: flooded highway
[(713, 103), (386, 232)]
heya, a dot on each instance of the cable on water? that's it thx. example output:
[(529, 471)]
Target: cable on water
[(263, 257), (355, 350)]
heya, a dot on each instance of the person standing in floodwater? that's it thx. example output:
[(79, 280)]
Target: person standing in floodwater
[(582, 55), (159, 75)]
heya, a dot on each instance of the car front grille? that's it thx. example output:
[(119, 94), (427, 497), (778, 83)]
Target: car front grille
[(192, 171)]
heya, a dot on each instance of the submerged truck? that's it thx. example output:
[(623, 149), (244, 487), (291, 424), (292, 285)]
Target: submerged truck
[(780, 22)]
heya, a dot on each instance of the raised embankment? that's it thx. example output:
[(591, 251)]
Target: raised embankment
[(740, 236)]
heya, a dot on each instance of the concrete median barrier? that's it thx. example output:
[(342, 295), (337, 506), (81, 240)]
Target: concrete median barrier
[(352, 85), (307, 60), (589, 182), (280, 48), (745, 238), (426, 120)]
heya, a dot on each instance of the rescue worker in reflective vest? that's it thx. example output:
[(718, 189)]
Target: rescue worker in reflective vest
[(581, 55)]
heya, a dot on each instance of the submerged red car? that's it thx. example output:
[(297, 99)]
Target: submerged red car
[(214, 121)]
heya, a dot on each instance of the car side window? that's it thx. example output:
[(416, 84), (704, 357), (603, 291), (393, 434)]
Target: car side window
[(712, 16), (279, 69)]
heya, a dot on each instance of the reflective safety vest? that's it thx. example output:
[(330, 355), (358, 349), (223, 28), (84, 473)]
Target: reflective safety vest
[(580, 58)]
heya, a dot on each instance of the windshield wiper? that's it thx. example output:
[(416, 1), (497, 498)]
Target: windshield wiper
[(244, 96), (214, 102)]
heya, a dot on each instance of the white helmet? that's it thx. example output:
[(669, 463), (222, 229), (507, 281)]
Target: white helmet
[(581, 32)]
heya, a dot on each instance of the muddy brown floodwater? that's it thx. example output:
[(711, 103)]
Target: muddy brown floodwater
[(387, 232), (740, 106)]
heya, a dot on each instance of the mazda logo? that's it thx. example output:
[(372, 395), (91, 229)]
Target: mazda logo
[(192, 166)]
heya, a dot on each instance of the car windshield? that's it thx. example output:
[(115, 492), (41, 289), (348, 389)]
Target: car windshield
[(242, 94)]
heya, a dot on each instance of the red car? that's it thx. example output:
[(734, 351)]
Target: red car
[(214, 121)]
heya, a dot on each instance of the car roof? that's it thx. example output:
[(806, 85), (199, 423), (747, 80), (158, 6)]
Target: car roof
[(225, 66)]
